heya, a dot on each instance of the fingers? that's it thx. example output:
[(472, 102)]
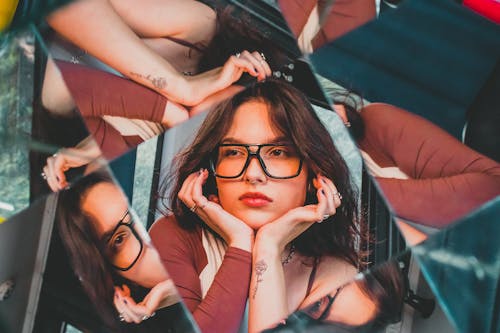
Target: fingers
[(54, 172), (128, 309), (329, 200), (191, 193), (254, 64), (258, 63)]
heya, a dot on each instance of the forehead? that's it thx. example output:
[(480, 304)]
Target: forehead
[(252, 124), (106, 204)]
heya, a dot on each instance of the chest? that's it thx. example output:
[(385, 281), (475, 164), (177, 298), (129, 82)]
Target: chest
[(179, 54)]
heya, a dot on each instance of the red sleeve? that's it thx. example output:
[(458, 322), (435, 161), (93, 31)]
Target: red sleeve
[(344, 16), (184, 257), (296, 13), (448, 179), (97, 93)]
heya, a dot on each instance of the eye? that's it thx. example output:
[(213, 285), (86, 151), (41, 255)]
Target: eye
[(280, 152), (233, 152), (118, 240)]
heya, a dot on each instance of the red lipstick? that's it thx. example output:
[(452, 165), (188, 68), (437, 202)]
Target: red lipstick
[(255, 199)]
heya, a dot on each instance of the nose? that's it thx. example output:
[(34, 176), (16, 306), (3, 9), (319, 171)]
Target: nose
[(254, 172)]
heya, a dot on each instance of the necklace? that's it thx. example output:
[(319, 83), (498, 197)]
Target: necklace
[(289, 256)]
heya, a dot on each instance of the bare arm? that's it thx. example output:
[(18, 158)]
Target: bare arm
[(111, 34)]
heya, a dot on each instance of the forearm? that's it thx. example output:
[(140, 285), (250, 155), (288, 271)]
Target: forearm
[(440, 201), (102, 33), (268, 301)]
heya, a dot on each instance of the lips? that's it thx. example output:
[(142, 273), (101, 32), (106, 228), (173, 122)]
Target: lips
[(255, 199)]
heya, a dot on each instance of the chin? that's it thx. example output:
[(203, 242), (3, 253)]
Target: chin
[(255, 220)]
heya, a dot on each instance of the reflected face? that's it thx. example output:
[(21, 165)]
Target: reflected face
[(254, 196), (107, 206)]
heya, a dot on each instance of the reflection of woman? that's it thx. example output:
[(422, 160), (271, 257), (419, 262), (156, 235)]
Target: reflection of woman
[(153, 42), (367, 304), (110, 254), (269, 211), (217, 48), (426, 175)]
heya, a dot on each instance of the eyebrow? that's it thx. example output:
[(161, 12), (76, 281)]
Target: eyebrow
[(276, 140)]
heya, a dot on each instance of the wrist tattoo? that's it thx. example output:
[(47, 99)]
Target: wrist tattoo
[(260, 268), (157, 82)]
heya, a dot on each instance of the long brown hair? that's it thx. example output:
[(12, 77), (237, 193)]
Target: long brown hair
[(78, 235), (291, 114)]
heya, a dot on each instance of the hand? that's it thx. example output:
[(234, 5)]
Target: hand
[(64, 160), (286, 228), (161, 295), (234, 231), (200, 86), (235, 66)]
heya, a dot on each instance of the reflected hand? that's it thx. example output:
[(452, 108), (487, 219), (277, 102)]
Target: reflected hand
[(234, 231), (64, 160), (286, 228), (236, 65), (162, 295)]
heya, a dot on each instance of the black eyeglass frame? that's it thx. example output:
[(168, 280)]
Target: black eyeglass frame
[(251, 154), (129, 225)]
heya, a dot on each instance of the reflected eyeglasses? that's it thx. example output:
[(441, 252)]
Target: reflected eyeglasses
[(124, 246)]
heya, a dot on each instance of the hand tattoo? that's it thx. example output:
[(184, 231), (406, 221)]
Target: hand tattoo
[(158, 82), (260, 268)]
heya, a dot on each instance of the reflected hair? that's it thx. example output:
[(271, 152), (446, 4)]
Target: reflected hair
[(82, 244), (292, 115)]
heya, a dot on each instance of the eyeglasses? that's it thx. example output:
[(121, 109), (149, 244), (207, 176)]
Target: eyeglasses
[(279, 161), (124, 246)]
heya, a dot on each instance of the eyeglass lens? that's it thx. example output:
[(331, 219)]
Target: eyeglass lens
[(124, 247), (279, 160)]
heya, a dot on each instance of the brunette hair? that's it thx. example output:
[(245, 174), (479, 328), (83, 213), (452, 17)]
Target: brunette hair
[(76, 230), (292, 115), (236, 33)]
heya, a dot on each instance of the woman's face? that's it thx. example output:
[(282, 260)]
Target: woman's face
[(107, 206), (254, 197)]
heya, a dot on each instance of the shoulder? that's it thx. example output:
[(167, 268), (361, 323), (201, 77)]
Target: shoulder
[(331, 273), (168, 231)]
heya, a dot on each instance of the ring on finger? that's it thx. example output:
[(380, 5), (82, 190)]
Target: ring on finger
[(120, 316), (43, 175), (237, 55), (325, 217), (194, 208), (262, 56), (145, 317), (338, 194)]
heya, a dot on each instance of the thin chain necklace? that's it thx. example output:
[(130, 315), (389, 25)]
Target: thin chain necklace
[(289, 256)]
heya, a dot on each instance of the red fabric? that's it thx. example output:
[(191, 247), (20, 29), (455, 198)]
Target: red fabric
[(487, 8), (184, 257), (448, 179), (296, 13), (344, 16), (111, 142), (98, 93)]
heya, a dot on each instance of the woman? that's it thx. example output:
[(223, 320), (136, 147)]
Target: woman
[(214, 60), (426, 174), (112, 256), (267, 221), (367, 304)]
